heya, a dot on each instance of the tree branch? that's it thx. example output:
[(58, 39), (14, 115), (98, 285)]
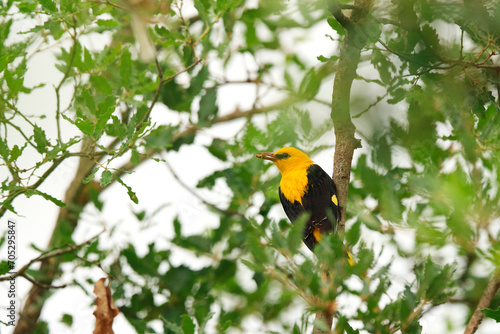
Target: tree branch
[(65, 76), (345, 142), (15, 193), (77, 196), (484, 302), (47, 255)]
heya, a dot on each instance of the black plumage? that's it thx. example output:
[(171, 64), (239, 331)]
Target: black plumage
[(318, 201)]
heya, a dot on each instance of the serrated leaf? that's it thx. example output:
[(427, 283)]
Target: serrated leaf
[(48, 197), (130, 193), (125, 67), (493, 314), (101, 84), (40, 139), (15, 153), (90, 177), (187, 324), (104, 111), (85, 126), (4, 149), (49, 5), (106, 178)]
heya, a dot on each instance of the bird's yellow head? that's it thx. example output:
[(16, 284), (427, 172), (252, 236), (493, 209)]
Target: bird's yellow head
[(287, 159)]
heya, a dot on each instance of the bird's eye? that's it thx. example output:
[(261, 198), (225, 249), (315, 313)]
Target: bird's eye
[(282, 156)]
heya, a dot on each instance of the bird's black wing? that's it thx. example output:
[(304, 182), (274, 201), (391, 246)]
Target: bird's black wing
[(292, 210), (319, 200)]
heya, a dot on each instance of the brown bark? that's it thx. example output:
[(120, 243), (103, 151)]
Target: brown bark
[(76, 197), (484, 302), (345, 142)]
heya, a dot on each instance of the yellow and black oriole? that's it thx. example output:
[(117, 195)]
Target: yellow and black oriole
[(306, 187)]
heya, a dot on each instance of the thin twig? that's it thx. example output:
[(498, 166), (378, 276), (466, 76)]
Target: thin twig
[(49, 254), (196, 62), (42, 285), (412, 317), (379, 98), (14, 193), (74, 37), (195, 194)]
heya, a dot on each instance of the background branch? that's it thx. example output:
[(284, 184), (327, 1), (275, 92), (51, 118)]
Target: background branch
[(484, 302)]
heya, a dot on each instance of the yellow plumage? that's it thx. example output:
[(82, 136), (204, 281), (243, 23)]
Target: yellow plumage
[(293, 173)]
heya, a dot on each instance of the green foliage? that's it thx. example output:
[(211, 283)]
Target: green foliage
[(429, 169), (493, 314)]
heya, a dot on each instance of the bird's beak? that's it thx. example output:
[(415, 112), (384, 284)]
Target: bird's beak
[(266, 156)]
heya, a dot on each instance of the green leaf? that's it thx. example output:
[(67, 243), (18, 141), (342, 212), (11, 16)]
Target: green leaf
[(90, 177), (197, 82), (16, 153), (125, 67), (135, 157), (49, 5), (310, 84), (173, 328), (493, 314), (130, 193), (177, 227), (101, 84), (208, 106), (104, 111), (85, 126), (67, 319), (323, 59), (161, 137), (353, 234), (48, 197), (187, 324), (218, 149), (106, 178), (296, 232), (107, 23), (40, 139), (4, 268), (336, 25), (4, 149)]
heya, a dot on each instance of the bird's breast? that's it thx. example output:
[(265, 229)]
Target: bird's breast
[(294, 185)]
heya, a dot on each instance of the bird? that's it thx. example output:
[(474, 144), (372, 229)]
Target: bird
[(306, 187)]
